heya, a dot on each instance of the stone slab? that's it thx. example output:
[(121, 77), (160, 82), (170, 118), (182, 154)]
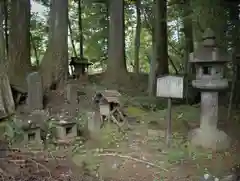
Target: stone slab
[(209, 110), (94, 123), (71, 94), (35, 91)]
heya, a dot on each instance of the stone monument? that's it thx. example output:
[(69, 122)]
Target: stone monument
[(209, 61), (35, 91)]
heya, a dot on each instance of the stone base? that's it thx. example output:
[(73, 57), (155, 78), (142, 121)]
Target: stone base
[(210, 138)]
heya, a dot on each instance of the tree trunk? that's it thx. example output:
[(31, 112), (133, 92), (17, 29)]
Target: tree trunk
[(188, 32), (235, 38), (137, 36), (19, 64), (54, 66), (80, 28), (2, 39), (153, 59), (7, 106), (116, 65), (152, 73), (161, 37), (6, 24)]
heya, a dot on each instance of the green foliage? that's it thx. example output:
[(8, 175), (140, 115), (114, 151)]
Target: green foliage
[(95, 29), (38, 37), (11, 130), (110, 136), (182, 150)]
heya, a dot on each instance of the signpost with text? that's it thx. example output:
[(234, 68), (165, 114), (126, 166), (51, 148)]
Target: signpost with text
[(170, 87)]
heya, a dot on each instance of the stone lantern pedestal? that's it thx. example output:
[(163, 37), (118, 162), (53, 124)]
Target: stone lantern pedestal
[(209, 63)]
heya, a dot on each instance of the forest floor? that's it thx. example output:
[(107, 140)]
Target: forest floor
[(138, 153)]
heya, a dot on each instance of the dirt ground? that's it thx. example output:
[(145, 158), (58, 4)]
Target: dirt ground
[(139, 153)]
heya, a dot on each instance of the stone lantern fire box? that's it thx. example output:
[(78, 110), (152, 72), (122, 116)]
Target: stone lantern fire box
[(66, 130), (107, 101), (209, 61), (32, 134)]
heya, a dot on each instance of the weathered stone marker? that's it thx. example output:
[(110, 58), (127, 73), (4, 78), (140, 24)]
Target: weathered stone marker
[(94, 123), (35, 91), (209, 62), (7, 105), (71, 94), (170, 87)]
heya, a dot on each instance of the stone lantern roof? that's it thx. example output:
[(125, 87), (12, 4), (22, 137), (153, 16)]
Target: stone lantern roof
[(209, 52)]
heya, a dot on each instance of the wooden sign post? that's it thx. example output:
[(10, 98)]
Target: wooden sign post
[(170, 87)]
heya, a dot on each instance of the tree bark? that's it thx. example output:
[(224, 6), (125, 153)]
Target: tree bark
[(137, 36), (188, 32), (54, 66), (116, 65), (19, 64), (152, 73), (2, 39), (161, 37), (80, 28), (234, 12), (5, 2)]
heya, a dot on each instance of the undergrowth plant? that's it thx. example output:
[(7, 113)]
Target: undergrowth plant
[(181, 149), (11, 130)]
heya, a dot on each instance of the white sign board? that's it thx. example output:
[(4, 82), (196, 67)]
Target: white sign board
[(170, 87)]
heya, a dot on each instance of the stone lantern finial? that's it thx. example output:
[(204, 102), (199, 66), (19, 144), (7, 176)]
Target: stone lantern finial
[(209, 38)]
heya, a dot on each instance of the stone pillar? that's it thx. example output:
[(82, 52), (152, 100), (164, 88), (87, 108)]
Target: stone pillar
[(208, 135), (94, 123), (71, 94), (209, 110), (35, 91)]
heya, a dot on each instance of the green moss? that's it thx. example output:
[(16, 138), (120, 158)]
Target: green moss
[(135, 111), (110, 137)]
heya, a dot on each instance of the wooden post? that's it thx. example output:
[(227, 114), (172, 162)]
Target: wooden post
[(169, 123), (170, 87)]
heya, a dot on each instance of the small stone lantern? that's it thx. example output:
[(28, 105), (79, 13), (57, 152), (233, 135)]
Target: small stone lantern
[(66, 130), (32, 133), (209, 61), (80, 66)]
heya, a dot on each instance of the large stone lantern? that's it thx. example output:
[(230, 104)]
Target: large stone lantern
[(209, 61)]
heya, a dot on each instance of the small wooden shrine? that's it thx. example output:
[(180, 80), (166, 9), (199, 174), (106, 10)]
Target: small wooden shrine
[(109, 106)]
